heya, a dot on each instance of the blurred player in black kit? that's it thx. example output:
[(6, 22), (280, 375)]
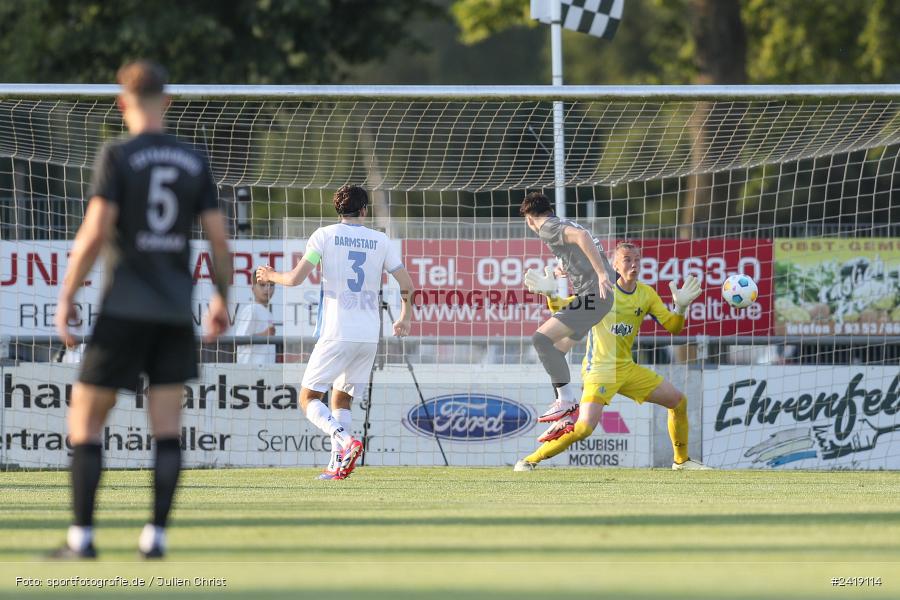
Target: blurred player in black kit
[(146, 193)]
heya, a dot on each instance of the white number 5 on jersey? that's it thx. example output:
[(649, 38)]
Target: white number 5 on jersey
[(162, 204)]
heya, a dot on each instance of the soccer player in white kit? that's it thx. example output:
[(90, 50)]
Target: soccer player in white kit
[(353, 258)]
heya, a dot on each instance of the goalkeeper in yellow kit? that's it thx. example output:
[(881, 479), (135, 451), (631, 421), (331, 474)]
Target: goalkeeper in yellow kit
[(608, 368)]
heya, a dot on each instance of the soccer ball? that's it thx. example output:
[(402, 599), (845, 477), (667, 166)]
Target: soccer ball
[(739, 291)]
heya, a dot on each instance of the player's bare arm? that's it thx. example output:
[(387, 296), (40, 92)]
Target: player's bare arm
[(295, 276), (98, 222), (216, 320), (402, 324), (583, 239)]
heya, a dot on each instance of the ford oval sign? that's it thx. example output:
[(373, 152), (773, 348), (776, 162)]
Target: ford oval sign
[(469, 417)]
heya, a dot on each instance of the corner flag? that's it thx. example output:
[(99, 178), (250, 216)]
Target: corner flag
[(599, 18)]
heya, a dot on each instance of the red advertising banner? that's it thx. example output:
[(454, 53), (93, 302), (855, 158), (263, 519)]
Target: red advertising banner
[(711, 260), (474, 287)]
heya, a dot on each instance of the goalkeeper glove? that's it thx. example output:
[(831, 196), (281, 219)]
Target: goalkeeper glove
[(687, 294), (541, 284)]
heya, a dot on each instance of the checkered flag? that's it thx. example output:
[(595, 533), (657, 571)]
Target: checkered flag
[(599, 18)]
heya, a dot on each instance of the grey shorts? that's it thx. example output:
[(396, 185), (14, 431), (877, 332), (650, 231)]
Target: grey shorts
[(584, 312)]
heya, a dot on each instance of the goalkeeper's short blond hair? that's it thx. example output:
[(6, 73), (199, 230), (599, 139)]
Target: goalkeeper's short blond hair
[(628, 246)]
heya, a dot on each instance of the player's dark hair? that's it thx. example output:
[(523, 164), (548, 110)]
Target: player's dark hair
[(349, 200), (142, 78), (536, 204)]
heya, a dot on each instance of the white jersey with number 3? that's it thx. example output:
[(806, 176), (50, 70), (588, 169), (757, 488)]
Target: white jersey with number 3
[(353, 258)]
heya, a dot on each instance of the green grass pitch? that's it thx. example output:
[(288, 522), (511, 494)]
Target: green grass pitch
[(406, 533)]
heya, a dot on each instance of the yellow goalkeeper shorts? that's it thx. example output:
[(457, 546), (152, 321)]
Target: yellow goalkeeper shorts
[(632, 381)]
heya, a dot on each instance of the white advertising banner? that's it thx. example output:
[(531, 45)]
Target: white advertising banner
[(31, 272), (483, 415), (802, 417)]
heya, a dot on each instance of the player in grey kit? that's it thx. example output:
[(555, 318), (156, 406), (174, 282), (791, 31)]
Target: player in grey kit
[(580, 256)]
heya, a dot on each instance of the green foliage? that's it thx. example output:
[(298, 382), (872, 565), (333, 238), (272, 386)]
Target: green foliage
[(515, 56), (879, 42), (480, 19), (240, 41), (789, 41), (818, 41), (653, 45)]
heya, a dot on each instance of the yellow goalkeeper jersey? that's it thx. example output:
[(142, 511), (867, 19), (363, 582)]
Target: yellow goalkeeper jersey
[(610, 341)]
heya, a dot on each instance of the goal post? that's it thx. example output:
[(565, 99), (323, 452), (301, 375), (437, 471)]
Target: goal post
[(792, 185)]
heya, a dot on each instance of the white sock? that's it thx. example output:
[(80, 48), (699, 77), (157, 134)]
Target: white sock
[(566, 393), (319, 415), (345, 418), (78, 538), (152, 536), (335, 457)]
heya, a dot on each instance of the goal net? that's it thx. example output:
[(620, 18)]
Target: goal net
[(791, 186)]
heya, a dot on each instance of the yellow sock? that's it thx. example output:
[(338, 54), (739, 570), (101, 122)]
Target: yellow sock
[(552, 448), (678, 430)]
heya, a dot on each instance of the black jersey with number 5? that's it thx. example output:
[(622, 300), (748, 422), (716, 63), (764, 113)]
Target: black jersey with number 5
[(160, 185)]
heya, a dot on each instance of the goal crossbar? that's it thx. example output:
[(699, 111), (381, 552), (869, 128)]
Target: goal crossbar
[(477, 92)]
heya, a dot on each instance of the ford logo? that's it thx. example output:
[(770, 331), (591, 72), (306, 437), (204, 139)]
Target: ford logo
[(469, 417)]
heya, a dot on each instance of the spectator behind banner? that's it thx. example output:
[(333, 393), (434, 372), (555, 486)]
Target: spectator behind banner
[(73, 355), (256, 319)]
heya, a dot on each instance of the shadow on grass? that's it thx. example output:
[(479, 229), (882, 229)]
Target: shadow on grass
[(12, 487), (480, 521), (363, 553), (497, 520)]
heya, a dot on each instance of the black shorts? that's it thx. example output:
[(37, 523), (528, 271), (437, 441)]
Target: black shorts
[(120, 350), (584, 312)]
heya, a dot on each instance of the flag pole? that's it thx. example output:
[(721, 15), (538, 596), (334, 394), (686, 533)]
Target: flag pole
[(559, 146)]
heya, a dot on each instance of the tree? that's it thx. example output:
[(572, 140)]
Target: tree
[(651, 44), (820, 41), (507, 57), (240, 41), (720, 54), (480, 19), (787, 41)]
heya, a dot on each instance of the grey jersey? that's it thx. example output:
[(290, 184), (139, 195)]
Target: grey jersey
[(576, 264), (160, 185)]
